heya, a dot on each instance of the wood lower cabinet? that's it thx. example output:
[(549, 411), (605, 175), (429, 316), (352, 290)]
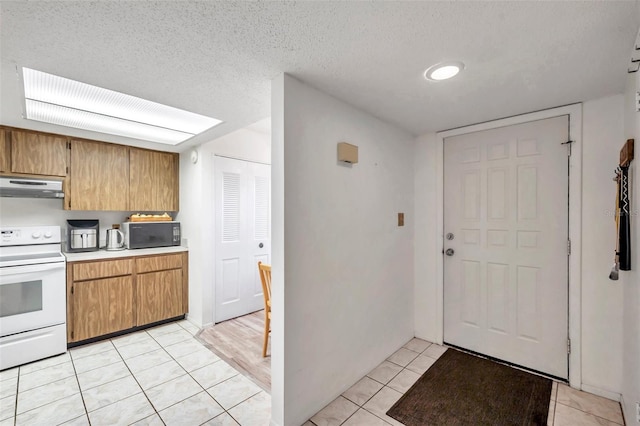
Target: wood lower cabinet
[(159, 296), (38, 153), (99, 176), (107, 296), (102, 306)]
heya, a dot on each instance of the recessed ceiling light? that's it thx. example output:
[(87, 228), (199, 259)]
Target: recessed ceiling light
[(443, 70), (58, 100)]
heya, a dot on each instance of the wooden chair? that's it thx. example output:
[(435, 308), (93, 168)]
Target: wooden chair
[(265, 277)]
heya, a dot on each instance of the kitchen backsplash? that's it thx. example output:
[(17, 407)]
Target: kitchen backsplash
[(32, 212)]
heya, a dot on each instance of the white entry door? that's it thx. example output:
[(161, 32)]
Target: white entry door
[(506, 229), (243, 235)]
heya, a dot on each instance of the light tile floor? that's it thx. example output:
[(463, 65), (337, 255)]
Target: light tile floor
[(165, 376), (366, 402), (162, 375)]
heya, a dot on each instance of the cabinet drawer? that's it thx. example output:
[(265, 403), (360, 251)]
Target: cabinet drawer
[(159, 263), (109, 268)]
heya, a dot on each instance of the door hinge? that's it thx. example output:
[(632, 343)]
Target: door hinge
[(568, 346), (71, 289), (72, 334), (68, 145), (568, 144), (568, 247)]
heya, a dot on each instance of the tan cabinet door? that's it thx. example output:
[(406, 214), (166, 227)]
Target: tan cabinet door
[(153, 180), (4, 151), (38, 154), (99, 176), (167, 183), (102, 306), (159, 296)]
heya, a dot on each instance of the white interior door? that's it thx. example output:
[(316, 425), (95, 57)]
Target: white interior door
[(243, 235), (506, 208)]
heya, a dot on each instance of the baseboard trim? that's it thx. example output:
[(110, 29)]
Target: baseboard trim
[(615, 396)]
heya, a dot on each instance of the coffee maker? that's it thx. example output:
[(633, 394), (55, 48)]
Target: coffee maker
[(83, 235)]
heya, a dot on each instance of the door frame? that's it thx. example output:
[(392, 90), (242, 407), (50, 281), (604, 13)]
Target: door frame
[(574, 112)]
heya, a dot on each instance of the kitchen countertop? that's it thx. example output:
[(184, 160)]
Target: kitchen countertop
[(115, 254)]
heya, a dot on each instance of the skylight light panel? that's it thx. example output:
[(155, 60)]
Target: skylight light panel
[(66, 102)]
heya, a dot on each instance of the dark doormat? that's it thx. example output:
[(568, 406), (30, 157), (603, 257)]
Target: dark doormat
[(462, 389)]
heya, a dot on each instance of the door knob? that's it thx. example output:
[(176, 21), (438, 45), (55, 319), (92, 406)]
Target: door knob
[(449, 252), (260, 245)]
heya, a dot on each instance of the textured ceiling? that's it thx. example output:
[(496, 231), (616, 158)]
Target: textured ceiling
[(217, 58)]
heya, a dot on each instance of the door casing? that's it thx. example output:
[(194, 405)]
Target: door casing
[(574, 112)]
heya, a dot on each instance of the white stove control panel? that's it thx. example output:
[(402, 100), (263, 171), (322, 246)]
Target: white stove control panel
[(29, 235)]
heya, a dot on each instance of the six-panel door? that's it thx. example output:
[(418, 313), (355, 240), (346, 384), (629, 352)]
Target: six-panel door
[(506, 275)]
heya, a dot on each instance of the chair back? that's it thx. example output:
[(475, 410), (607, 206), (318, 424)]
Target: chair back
[(265, 277)]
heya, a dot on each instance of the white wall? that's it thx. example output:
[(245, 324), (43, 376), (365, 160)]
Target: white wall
[(38, 212), (601, 298), (345, 278), (426, 238), (197, 211), (277, 252), (631, 280)]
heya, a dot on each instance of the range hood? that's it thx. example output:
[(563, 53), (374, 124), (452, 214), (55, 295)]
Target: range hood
[(30, 188)]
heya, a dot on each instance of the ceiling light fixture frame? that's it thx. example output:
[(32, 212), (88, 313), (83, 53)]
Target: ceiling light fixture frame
[(61, 101), (428, 74)]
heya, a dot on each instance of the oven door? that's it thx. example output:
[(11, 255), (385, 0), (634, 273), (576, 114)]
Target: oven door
[(32, 297)]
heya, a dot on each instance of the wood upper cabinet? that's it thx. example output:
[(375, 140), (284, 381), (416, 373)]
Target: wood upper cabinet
[(99, 175), (153, 180), (4, 151), (99, 178), (38, 154), (102, 306)]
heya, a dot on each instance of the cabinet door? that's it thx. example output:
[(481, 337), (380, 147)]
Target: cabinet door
[(153, 178), (167, 183), (159, 296), (102, 306), (99, 176), (142, 194), (4, 151), (38, 154)]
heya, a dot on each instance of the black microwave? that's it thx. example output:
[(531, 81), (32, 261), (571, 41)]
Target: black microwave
[(151, 234)]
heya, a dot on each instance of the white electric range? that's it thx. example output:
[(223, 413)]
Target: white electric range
[(32, 295)]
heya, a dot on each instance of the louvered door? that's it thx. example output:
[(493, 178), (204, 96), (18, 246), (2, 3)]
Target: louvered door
[(243, 235)]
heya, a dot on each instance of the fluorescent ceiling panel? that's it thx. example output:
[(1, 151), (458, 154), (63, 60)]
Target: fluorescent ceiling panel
[(66, 102)]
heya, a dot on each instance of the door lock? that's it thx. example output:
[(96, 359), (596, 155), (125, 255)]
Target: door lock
[(449, 252), (260, 245), (450, 236)]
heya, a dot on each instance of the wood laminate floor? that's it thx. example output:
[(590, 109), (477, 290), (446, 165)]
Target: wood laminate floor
[(238, 341)]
